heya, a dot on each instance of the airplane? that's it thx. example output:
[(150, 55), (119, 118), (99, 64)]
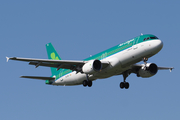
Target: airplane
[(121, 59)]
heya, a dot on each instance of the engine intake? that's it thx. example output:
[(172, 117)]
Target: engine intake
[(92, 67), (152, 68), (148, 71)]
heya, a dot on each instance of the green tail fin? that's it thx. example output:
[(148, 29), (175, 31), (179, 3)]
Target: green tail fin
[(52, 54)]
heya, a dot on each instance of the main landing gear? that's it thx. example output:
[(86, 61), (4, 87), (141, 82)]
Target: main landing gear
[(125, 84), (87, 82), (127, 73)]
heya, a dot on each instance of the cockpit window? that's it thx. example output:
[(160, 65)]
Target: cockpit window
[(150, 38), (153, 38), (146, 39)]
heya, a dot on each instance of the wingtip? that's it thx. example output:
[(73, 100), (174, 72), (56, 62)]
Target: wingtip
[(171, 69), (24, 77), (7, 59)]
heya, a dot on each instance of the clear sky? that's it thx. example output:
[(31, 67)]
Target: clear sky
[(78, 29)]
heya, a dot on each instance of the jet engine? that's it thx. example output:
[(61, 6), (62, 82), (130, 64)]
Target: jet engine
[(148, 70), (92, 67)]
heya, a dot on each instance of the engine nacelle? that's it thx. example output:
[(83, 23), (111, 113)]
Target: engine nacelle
[(92, 67), (148, 71)]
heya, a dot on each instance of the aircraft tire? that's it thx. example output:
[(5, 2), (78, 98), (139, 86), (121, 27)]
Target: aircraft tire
[(85, 83), (122, 85), (89, 82), (126, 85)]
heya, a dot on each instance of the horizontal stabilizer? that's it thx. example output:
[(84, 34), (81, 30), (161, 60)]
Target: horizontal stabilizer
[(38, 77)]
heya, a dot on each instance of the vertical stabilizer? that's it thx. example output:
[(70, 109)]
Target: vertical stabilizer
[(52, 54)]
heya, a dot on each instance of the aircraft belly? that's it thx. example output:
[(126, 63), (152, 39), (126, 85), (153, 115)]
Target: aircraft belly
[(107, 74), (110, 71), (71, 79)]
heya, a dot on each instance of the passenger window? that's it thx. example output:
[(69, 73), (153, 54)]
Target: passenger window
[(144, 39)]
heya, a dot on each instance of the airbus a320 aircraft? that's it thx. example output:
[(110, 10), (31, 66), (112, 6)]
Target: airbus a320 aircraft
[(118, 60)]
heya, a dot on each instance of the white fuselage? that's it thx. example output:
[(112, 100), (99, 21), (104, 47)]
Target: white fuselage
[(119, 63)]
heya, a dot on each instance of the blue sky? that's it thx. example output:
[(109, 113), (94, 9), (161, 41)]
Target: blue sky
[(78, 29)]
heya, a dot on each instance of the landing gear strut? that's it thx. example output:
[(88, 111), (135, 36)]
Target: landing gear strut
[(145, 62), (87, 82)]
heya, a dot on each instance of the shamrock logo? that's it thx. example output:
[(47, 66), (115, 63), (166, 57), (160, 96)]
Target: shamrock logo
[(54, 57)]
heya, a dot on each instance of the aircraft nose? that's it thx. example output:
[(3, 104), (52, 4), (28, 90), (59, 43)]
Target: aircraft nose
[(158, 44)]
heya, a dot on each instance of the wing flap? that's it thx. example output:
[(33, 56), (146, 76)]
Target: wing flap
[(45, 64)]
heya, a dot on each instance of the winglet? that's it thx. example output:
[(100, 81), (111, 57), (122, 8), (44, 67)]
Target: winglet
[(171, 69), (7, 58)]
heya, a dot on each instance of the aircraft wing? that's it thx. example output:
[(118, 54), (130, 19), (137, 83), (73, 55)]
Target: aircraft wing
[(64, 64), (38, 77), (165, 68), (136, 67)]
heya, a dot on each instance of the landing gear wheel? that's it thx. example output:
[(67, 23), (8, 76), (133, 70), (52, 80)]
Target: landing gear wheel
[(126, 85), (85, 83), (122, 85), (89, 82)]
